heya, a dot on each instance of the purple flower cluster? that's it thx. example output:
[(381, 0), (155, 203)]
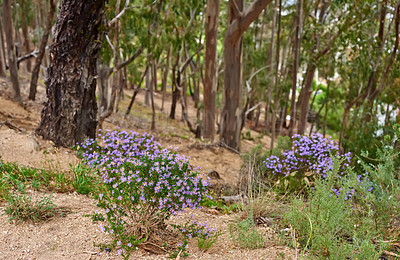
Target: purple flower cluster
[(308, 154), (145, 184)]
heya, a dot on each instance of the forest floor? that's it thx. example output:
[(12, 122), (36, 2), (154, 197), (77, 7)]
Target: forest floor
[(71, 235)]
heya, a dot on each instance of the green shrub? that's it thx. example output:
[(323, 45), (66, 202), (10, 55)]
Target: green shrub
[(244, 234), (331, 222)]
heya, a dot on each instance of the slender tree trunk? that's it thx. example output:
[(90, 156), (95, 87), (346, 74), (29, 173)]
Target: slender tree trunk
[(196, 82), (42, 49), (211, 76), (2, 52), (165, 78), (46, 58), (184, 83), (148, 85), (25, 35), (176, 93), (152, 88), (69, 115), (346, 115), (276, 81), (305, 97), (296, 53), (136, 91), (271, 70), (12, 59)]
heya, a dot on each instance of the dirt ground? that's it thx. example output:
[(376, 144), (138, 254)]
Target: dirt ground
[(70, 235)]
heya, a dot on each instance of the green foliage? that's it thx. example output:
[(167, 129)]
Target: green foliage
[(337, 220), (206, 240), (384, 180), (21, 207), (219, 205), (244, 233), (84, 181), (18, 177)]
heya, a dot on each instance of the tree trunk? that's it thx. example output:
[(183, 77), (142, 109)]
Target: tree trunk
[(152, 88), (2, 52), (231, 112), (165, 77), (25, 35), (176, 93), (271, 71), (69, 115), (148, 85), (12, 59), (346, 115), (136, 91), (238, 22), (211, 76), (102, 84), (276, 81), (305, 97), (296, 53), (42, 49)]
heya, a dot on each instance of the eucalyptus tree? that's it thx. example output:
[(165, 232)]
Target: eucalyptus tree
[(211, 69), (12, 58), (370, 67), (70, 113), (2, 52), (324, 23), (239, 20), (296, 54)]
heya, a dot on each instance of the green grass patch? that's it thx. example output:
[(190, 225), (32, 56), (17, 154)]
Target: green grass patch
[(23, 208)]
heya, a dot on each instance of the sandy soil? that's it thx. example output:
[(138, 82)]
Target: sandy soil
[(70, 235)]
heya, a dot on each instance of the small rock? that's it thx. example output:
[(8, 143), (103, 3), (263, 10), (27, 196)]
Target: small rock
[(213, 174), (34, 143)]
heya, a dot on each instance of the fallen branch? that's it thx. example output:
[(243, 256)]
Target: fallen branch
[(11, 126), (28, 56)]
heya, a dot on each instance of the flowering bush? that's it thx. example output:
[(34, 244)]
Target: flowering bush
[(144, 186), (308, 155)]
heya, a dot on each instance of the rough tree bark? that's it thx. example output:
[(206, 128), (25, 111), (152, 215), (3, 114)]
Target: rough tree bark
[(238, 22), (211, 64), (42, 49), (69, 115), (12, 59)]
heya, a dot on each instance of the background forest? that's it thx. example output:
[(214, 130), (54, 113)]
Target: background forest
[(320, 78), (302, 66)]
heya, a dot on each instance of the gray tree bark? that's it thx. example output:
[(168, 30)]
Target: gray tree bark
[(211, 73), (238, 22)]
